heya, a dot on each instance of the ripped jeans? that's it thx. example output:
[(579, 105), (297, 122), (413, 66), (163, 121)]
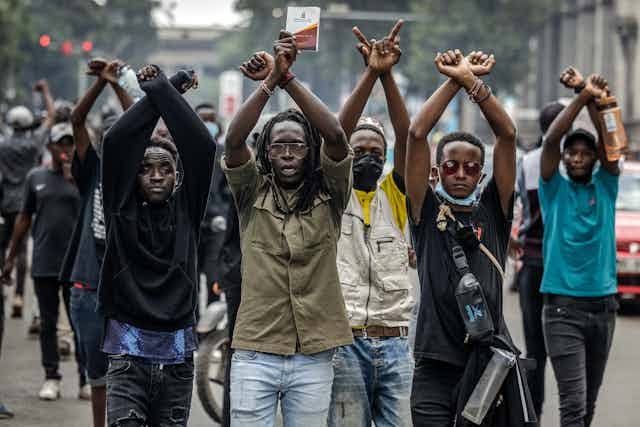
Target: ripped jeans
[(145, 394)]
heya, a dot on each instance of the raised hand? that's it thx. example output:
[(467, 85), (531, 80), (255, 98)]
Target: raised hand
[(96, 65), (285, 52), (41, 86), (147, 73), (386, 52), (258, 66), (110, 72), (571, 78), (454, 65), (481, 63), (597, 86), (381, 55)]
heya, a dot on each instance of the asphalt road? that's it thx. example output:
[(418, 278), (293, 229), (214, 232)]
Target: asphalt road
[(21, 376)]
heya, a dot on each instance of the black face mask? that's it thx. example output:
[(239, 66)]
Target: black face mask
[(366, 172)]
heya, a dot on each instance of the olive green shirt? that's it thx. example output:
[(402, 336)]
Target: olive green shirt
[(291, 296)]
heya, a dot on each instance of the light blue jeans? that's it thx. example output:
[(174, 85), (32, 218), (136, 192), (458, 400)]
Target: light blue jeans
[(372, 382), (301, 382)]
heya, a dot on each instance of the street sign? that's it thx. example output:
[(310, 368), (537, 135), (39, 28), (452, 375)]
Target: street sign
[(230, 94)]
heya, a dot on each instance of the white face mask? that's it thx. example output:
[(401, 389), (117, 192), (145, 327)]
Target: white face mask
[(470, 200)]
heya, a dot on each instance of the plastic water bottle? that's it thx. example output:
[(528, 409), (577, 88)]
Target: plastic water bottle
[(128, 81)]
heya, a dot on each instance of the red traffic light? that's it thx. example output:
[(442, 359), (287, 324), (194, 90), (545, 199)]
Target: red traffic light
[(45, 40), (87, 46), (67, 48)]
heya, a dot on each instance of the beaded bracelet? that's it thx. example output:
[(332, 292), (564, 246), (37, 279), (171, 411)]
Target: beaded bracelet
[(485, 97)]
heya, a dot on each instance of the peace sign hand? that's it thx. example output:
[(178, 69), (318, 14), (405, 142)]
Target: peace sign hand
[(381, 55)]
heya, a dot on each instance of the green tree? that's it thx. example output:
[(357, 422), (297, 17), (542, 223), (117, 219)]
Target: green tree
[(502, 27), (120, 28), (12, 16)]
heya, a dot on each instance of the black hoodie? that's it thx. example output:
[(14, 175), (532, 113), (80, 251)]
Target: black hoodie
[(149, 275)]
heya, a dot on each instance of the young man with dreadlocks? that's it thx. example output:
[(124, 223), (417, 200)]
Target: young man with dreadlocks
[(290, 203), (445, 357), (372, 377), (579, 281), (154, 197)]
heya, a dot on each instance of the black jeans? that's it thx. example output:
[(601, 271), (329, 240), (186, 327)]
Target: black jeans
[(141, 393), (48, 295), (578, 333), (531, 302), (21, 261), (433, 403), (232, 294)]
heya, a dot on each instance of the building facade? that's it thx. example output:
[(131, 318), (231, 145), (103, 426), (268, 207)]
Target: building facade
[(595, 36)]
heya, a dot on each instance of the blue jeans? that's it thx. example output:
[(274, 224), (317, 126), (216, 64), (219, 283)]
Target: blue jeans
[(301, 382), (372, 383), (89, 325), (141, 393)]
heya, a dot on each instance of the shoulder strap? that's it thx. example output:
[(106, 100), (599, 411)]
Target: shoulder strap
[(446, 221)]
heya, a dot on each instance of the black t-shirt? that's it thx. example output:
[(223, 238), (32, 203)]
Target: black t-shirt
[(440, 330), (55, 203), (86, 249)]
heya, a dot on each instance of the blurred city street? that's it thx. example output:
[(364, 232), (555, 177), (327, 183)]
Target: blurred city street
[(20, 374)]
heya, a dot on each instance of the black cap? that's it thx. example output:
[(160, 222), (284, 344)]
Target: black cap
[(580, 135)]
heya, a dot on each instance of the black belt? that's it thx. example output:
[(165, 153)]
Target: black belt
[(588, 304)]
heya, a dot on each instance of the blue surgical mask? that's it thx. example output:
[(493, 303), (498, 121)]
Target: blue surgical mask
[(468, 201), (213, 129)]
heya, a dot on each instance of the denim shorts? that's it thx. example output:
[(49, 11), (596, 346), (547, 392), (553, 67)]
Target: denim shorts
[(89, 326)]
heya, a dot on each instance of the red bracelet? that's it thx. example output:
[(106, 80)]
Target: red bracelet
[(286, 79)]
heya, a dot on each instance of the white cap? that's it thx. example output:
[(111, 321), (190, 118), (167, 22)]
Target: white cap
[(60, 131), (19, 117)]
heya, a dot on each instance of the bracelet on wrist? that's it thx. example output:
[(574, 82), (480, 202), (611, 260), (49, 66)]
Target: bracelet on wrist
[(266, 89), (579, 88), (486, 96), (285, 79)]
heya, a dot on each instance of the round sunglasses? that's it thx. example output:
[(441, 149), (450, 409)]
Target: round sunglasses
[(451, 167)]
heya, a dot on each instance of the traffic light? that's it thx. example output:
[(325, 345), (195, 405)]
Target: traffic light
[(45, 40), (67, 48), (87, 46)]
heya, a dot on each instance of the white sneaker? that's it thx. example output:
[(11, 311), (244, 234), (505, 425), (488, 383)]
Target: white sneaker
[(50, 390), (84, 393)]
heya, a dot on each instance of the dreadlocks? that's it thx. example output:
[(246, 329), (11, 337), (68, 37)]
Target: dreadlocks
[(312, 180)]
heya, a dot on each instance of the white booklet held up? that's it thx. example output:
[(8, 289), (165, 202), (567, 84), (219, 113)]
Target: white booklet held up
[(304, 23)]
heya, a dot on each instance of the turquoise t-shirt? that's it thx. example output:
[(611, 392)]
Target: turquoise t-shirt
[(579, 244)]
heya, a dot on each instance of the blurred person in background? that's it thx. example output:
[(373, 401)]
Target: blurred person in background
[(529, 245), (214, 223), (579, 281), (87, 246), (51, 204), (20, 151)]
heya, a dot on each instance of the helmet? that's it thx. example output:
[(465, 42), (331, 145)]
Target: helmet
[(20, 117)]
